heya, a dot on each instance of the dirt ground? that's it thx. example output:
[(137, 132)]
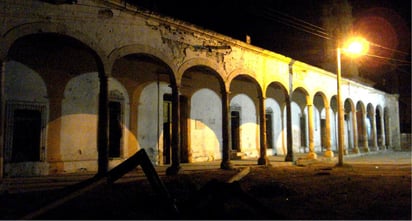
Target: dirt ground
[(373, 187)]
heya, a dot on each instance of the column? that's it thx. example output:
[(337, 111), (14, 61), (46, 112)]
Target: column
[(263, 160), (355, 133), (365, 134), (289, 156), (374, 134), (54, 132), (2, 116), (175, 167), (328, 152), (225, 164), (311, 154), (103, 126), (382, 135)]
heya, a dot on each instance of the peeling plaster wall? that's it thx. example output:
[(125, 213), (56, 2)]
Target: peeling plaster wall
[(112, 32)]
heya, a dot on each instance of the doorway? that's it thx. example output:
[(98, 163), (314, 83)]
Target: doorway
[(167, 128), (235, 132), (26, 135), (269, 131)]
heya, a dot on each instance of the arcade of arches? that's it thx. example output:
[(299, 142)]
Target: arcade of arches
[(86, 92)]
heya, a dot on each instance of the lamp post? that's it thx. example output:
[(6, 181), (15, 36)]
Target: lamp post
[(340, 108), (356, 47)]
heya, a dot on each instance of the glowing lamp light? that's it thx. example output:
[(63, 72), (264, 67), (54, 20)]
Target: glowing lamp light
[(356, 47)]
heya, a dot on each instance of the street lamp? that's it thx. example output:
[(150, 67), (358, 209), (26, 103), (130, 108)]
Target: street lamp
[(355, 47)]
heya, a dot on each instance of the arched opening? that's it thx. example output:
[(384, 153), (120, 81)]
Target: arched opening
[(245, 140), (299, 121), (362, 126), (203, 87), (39, 66), (349, 127), (149, 82), (321, 136), (380, 127), (275, 104), (371, 127)]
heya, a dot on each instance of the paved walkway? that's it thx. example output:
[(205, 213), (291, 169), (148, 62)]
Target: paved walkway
[(25, 184)]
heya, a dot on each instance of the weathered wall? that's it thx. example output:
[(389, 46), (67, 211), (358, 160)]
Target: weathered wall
[(143, 54)]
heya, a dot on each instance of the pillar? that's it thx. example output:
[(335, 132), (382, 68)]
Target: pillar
[(328, 152), (263, 159), (374, 133), (311, 154), (382, 135), (103, 126), (225, 164), (175, 167), (2, 116), (355, 133), (289, 156), (365, 134), (54, 132)]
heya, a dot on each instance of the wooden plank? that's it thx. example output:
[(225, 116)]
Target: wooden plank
[(245, 171)]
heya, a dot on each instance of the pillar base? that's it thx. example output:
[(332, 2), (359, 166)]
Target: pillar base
[(312, 155), (366, 149), (289, 157), (356, 150), (173, 170), (263, 161), (226, 165), (328, 154)]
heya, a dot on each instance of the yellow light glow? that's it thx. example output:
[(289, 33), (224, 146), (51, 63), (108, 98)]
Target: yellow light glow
[(356, 46)]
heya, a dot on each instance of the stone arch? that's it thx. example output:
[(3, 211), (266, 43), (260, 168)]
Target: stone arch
[(20, 31), (126, 50), (277, 98), (334, 122), (321, 119), (361, 125), (350, 128), (371, 124), (148, 78), (201, 62), (58, 57), (299, 103), (247, 94), (387, 123), (242, 72), (206, 95)]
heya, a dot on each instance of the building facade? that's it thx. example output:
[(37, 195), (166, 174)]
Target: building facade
[(86, 85)]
